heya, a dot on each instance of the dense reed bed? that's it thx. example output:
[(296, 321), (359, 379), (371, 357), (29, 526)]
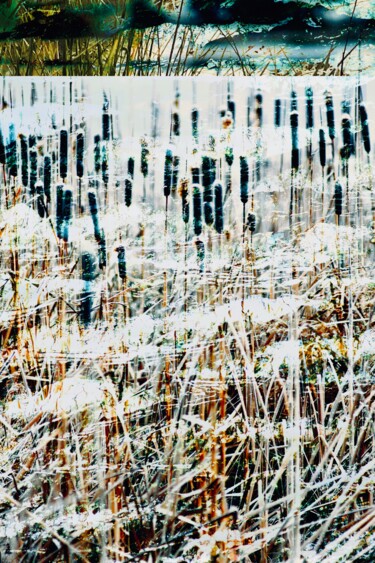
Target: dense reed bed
[(186, 37), (187, 330)]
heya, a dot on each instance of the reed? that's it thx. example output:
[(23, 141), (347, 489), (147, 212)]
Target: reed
[(201, 392)]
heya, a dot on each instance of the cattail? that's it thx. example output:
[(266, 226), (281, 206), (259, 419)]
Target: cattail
[(219, 210), (175, 172), (97, 154), (59, 210), (195, 124), (131, 168), (309, 108), (24, 150), (155, 119), (33, 158), (176, 124), (40, 205), (201, 253), (33, 95), (93, 206), (330, 116), (32, 141), (231, 107), (12, 155), (80, 148), (293, 101), (322, 148), (208, 172), (229, 156), (88, 266), (121, 262), (168, 171), (88, 276), (244, 179), (195, 175), (105, 174), (67, 212), (338, 199), (251, 222), (106, 125), (102, 250), (128, 192), (347, 137), (277, 113), (197, 209), (365, 128), (2, 149), (47, 177), (184, 193), (259, 109), (145, 153), (63, 153), (294, 130)]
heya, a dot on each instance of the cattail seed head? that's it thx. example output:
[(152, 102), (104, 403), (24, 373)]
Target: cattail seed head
[(2, 149), (12, 154), (175, 173), (365, 128), (277, 113), (309, 109), (59, 210), (145, 153), (338, 199), (33, 157), (244, 179), (97, 154), (40, 205), (121, 262), (24, 150), (293, 101), (131, 168), (168, 171), (102, 250), (295, 145), (232, 108), (67, 212), (80, 149), (229, 156), (197, 209), (201, 253), (259, 109), (195, 175), (106, 126), (330, 115), (128, 192), (93, 206), (63, 153), (251, 222), (347, 137), (184, 193), (47, 171), (105, 173), (176, 124), (219, 211), (322, 148), (195, 124)]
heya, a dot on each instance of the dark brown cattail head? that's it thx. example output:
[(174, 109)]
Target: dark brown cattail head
[(244, 179), (338, 199), (197, 209), (365, 128), (251, 222), (63, 153)]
